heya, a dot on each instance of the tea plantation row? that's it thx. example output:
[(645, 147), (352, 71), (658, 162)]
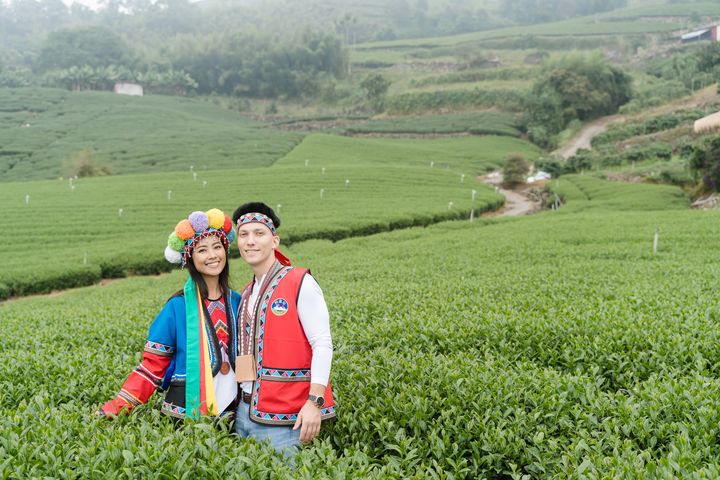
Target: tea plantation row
[(328, 187), (552, 346)]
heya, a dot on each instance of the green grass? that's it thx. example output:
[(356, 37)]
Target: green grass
[(41, 129), (469, 155), (552, 346), (482, 123), (666, 9)]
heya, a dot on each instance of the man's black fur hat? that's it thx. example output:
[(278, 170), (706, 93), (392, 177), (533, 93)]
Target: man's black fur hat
[(255, 207)]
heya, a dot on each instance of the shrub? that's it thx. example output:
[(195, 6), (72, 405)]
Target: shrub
[(515, 170), (553, 166), (83, 164)]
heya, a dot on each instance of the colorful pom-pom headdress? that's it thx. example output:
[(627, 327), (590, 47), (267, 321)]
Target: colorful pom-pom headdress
[(197, 226)]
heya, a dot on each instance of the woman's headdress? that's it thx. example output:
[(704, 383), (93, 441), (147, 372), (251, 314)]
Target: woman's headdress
[(197, 226)]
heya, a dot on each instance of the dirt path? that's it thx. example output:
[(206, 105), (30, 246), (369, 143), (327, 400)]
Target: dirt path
[(596, 127), (588, 132), (516, 203)]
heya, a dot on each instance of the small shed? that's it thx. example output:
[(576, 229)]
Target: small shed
[(125, 88), (711, 123), (705, 34)]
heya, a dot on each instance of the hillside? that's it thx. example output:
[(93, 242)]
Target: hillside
[(42, 130)]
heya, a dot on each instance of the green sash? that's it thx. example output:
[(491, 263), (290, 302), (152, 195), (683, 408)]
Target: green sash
[(192, 332)]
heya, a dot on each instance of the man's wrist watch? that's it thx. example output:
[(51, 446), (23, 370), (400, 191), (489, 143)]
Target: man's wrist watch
[(316, 400)]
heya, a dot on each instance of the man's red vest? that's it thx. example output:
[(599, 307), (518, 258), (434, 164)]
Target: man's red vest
[(283, 353)]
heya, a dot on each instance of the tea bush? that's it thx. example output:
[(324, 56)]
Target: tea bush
[(551, 346)]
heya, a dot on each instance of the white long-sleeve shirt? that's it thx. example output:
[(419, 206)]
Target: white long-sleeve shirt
[(315, 320)]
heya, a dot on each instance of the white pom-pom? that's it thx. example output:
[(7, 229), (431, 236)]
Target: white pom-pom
[(172, 256)]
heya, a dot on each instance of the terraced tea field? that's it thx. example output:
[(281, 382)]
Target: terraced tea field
[(41, 130), (113, 226), (551, 346)]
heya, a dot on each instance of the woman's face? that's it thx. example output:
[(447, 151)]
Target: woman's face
[(209, 256)]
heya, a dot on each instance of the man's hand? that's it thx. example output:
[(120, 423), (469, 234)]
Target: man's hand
[(309, 420)]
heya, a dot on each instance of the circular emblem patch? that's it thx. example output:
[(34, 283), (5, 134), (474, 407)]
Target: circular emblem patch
[(279, 307)]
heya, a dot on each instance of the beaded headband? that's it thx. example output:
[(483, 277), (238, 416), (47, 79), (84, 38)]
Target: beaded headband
[(255, 217), (197, 226)]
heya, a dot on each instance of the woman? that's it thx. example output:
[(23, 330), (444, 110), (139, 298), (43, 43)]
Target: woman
[(192, 343)]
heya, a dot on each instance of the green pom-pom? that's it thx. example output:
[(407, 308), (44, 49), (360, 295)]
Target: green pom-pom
[(175, 242)]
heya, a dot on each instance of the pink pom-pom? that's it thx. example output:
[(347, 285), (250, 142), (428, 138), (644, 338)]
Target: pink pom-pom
[(199, 221)]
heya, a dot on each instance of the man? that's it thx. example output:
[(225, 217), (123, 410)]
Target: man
[(286, 347)]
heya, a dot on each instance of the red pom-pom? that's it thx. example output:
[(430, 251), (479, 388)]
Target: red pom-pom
[(227, 226)]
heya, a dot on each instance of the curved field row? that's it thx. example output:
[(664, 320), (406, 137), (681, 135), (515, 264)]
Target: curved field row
[(114, 226)]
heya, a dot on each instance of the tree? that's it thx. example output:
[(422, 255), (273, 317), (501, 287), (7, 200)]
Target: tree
[(376, 86), (91, 46), (575, 87), (705, 161), (535, 11), (708, 57), (515, 170)]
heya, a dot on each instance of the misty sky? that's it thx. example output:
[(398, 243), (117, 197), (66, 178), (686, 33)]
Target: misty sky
[(88, 3)]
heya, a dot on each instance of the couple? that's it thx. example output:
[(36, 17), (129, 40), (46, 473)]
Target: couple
[(262, 356)]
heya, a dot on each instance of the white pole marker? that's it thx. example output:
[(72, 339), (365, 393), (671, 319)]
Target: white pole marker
[(656, 239)]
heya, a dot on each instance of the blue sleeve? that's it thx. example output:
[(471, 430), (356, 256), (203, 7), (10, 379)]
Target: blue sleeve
[(162, 337), (163, 330)]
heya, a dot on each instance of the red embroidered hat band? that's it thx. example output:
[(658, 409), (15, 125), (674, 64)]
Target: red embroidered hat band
[(255, 217)]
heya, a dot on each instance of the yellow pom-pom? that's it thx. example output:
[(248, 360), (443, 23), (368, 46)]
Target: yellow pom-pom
[(216, 218), (184, 229)]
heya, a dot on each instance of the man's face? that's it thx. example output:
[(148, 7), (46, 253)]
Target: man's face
[(257, 244)]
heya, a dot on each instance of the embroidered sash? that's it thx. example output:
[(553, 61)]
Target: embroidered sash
[(199, 389)]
